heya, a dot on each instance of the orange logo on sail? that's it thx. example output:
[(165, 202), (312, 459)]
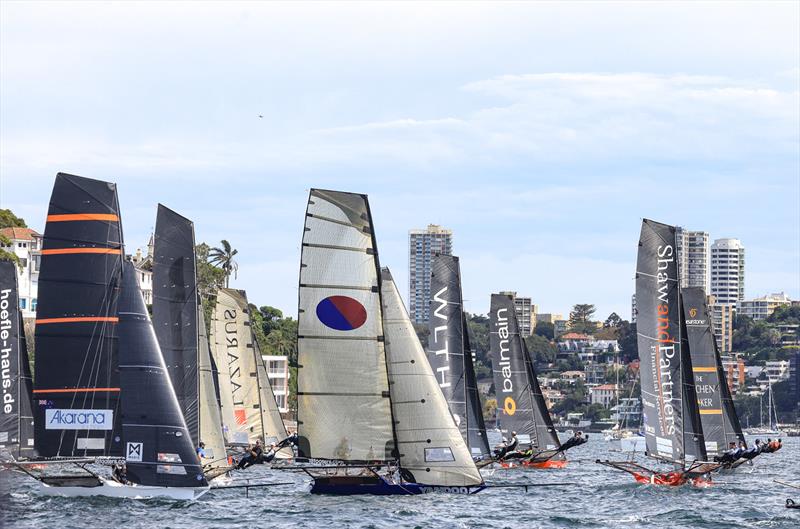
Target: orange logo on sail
[(509, 406), (241, 416), (692, 313)]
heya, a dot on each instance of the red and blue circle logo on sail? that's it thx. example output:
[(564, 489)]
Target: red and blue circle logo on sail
[(341, 313)]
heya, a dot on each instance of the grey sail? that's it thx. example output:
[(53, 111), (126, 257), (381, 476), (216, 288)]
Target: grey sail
[(343, 404), (432, 449), (210, 413), (274, 429), (670, 414), (16, 413), (158, 447), (546, 434), (510, 369), (717, 413)]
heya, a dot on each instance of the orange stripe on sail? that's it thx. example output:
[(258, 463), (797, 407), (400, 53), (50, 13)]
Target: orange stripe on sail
[(83, 216), (77, 390), (710, 412), (62, 251), (78, 320), (704, 369)]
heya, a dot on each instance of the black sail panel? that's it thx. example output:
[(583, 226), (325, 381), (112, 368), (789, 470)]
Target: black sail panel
[(665, 369), (77, 382), (175, 309), (16, 419), (158, 447), (509, 367), (546, 434), (446, 341), (477, 440), (693, 438)]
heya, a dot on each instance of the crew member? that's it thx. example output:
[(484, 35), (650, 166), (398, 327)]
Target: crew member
[(253, 456), (289, 441), (509, 446), (575, 440), (201, 451), (730, 455), (120, 473), (752, 452)]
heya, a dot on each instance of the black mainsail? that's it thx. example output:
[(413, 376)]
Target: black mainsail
[(16, 413), (669, 403), (450, 356), (546, 433), (717, 412), (158, 446), (77, 381)]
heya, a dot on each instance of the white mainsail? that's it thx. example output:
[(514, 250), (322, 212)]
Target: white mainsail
[(343, 404), (430, 444), (210, 414), (270, 418)]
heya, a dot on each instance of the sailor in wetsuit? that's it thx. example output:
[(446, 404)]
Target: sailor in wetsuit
[(120, 474), (752, 452), (507, 447), (252, 457), (729, 456), (575, 440)]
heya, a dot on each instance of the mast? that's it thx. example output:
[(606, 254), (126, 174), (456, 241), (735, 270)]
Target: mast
[(158, 447), (77, 379), (669, 403), (718, 416), (431, 448), (16, 414), (343, 400)]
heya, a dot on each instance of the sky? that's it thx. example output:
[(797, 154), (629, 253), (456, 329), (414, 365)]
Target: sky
[(540, 133)]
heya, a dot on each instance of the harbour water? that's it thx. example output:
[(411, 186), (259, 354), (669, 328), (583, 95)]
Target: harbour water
[(594, 496)]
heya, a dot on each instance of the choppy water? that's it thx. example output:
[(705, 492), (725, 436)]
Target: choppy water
[(596, 497)]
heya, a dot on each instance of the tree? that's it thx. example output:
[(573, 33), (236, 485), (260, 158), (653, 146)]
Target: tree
[(612, 321), (223, 258), (9, 220), (5, 255), (545, 329), (541, 349), (271, 318), (580, 319)]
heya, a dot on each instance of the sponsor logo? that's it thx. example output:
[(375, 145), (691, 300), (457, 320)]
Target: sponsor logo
[(341, 313), (663, 353), (134, 452), (57, 419), (5, 352), (441, 343), (504, 363), (692, 312), (509, 406)]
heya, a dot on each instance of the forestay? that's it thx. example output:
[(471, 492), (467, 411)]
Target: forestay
[(343, 391), (77, 382), (717, 413), (432, 449), (669, 403), (16, 413), (158, 447)]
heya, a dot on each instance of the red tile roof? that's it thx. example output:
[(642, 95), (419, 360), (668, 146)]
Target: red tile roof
[(19, 234), (574, 336)]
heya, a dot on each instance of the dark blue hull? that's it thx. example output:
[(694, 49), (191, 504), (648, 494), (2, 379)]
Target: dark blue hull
[(381, 487)]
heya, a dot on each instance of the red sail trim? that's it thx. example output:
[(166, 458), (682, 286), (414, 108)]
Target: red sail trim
[(108, 319), (62, 251), (83, 216)]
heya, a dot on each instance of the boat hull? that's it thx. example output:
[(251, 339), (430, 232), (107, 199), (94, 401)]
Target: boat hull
[(117, 490), (379, 486)]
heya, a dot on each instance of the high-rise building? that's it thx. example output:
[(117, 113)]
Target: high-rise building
[(761, 308), (526, 315), (693, 258), (727, 271), (722, 315), (422, 246)]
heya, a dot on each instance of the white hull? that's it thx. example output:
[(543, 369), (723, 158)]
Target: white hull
[(117, 490)]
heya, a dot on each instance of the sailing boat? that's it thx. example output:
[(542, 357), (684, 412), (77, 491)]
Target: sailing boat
[(450, 356), (16, 414), (368, 401), (101, 384), (520, 401), (249, 409), (672, 425), (181, 331), (717, 413)]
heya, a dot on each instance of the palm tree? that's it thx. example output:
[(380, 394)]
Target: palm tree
[(223, 258)]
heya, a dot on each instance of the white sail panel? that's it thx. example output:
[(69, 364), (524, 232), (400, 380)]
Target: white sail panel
[(431, 446), (271, 420), (210, 415), (343, 391)]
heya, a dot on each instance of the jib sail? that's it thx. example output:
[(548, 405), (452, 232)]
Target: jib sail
[(344, 409), (77, 386), (717, 413), (432, 449), (546, 434), (669, 404), (158, 447), (16, 414)]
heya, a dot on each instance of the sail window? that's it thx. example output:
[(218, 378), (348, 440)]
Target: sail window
[(171, 469), (438, 455)]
